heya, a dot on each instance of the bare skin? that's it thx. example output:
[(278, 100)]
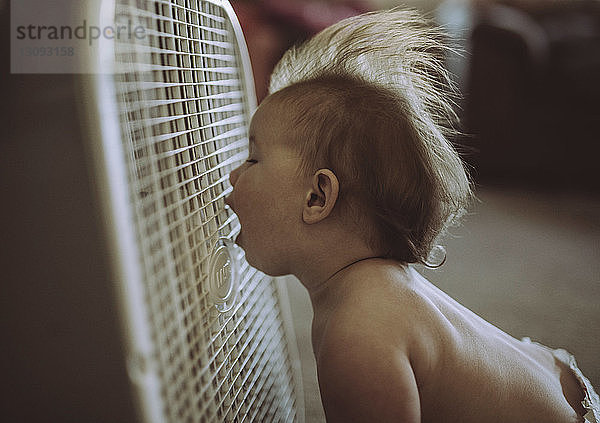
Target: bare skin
[(390, 347), (376, 316)]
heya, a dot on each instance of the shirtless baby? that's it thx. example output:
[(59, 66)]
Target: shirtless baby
[(350, 180)]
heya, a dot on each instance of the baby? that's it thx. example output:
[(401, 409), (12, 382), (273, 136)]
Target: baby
[(350, 179)]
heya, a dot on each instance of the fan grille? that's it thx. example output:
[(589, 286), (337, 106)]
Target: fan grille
[(184, 117)]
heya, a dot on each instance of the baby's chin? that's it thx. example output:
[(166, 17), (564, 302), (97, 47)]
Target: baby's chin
[(266, 266)]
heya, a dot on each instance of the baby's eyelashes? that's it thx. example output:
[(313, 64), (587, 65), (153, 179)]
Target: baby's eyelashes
[(251, 161)]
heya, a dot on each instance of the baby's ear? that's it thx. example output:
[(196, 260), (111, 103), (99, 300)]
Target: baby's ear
[(321, 196)]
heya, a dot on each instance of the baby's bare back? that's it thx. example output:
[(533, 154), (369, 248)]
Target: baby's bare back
[(466, 369)]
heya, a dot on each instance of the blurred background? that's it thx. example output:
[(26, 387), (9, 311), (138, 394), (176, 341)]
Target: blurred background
[(527, 70), (527, 256)]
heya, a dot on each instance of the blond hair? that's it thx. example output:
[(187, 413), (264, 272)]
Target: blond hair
[(371, 100)]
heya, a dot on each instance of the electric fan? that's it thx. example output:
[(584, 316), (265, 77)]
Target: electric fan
[(208, 338), (117, 179)]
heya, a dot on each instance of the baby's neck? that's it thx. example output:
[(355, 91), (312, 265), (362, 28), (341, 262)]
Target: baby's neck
[(328, 296), (326, 257), (326, 289)]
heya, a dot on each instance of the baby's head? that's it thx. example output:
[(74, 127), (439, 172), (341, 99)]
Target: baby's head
[(368, 99), (397, 186)]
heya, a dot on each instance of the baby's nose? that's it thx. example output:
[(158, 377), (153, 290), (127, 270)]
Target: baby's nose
[(233, 176)]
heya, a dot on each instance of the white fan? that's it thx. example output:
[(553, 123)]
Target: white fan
[(208, 338)]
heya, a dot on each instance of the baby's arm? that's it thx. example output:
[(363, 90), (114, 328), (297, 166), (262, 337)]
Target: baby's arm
[(364, 379)]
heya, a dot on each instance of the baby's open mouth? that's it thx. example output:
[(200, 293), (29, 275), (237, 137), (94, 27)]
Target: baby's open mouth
[(238, 239)]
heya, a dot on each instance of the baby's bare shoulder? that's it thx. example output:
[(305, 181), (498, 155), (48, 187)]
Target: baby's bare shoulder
[(363, 376), (373, 348)]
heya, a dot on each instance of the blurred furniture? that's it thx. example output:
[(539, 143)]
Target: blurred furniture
[(532, 103)]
